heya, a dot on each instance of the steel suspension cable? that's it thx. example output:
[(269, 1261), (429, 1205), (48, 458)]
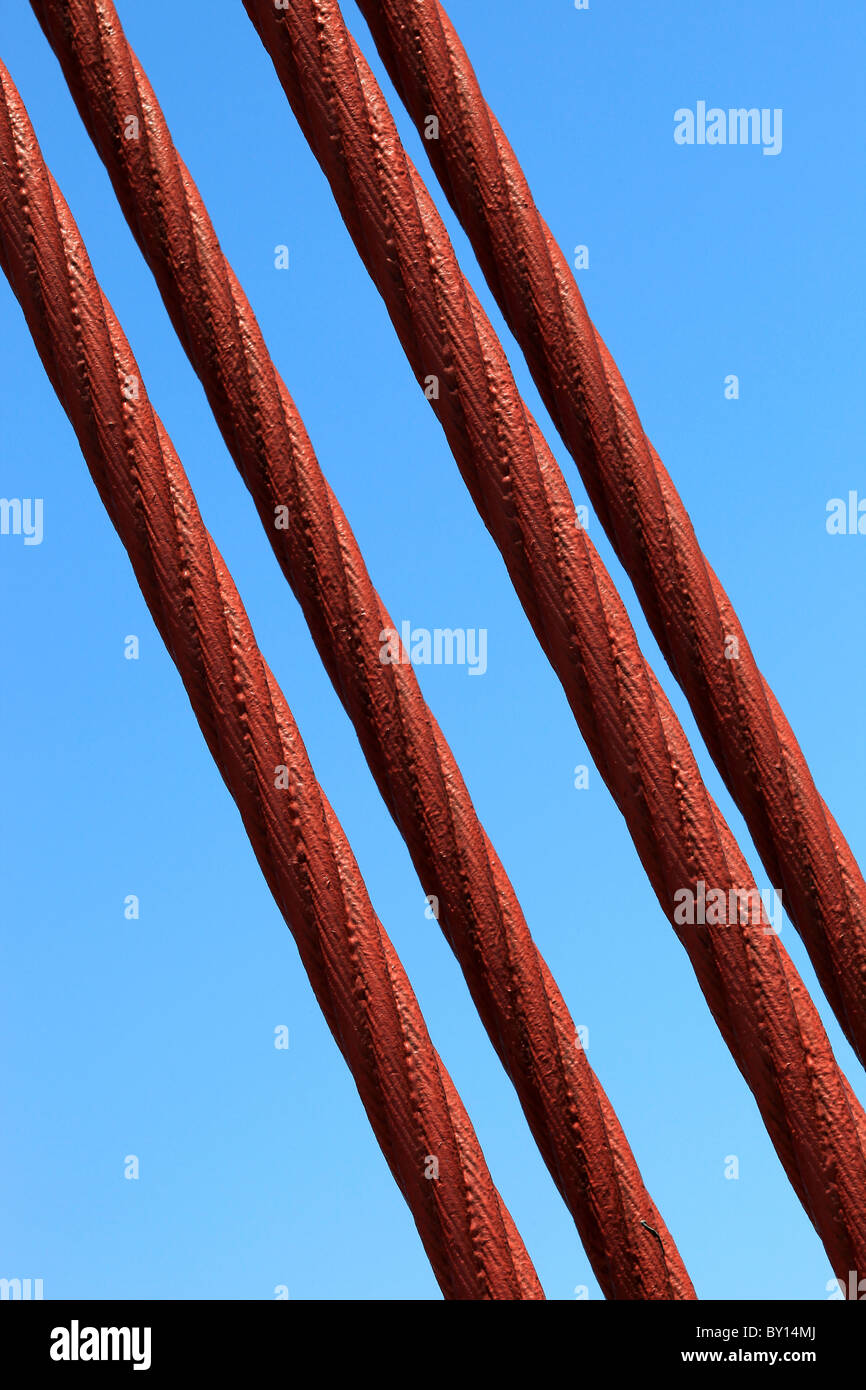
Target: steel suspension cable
[(522, 1009), (688, 610), (416, 1114), (756, 996)]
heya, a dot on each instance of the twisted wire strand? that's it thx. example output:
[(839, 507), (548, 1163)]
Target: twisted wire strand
[(756, 996), (688, 610), (522, 1009), (470, 1238)]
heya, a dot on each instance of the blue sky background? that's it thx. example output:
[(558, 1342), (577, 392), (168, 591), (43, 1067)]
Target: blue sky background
[(155, 1037)]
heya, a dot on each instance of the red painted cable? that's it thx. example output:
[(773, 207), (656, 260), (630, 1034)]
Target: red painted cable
[(470, 1239), (690, 614), (522, 1009), (756, 996)]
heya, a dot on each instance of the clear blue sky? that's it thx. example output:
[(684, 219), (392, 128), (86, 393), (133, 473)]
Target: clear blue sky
[(155, 1037)]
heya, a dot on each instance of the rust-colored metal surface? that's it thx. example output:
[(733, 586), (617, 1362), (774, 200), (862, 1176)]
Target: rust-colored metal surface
[(522, 1009), (756, 996), (690, 614), (471, 1241)]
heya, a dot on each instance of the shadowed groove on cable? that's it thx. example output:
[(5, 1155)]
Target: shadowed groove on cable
[(688, 610), (571, 1118), (471, 1241), (756, 996)]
